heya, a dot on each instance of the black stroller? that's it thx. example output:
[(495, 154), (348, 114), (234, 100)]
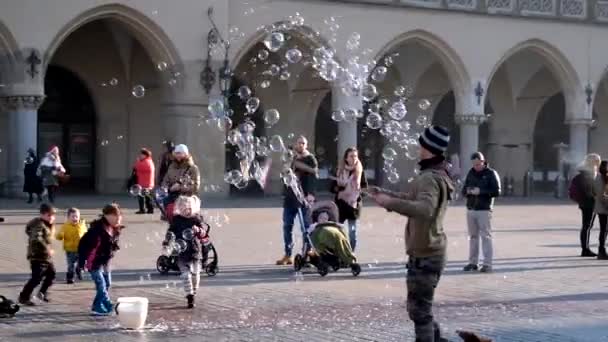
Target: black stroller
[(167, 262)]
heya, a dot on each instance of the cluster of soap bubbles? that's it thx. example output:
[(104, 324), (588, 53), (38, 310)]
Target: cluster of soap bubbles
[(174, 245)]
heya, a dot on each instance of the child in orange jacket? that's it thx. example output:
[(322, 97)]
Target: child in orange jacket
[(70, 233)]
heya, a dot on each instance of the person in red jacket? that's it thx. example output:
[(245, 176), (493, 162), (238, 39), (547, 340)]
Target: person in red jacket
[(144, 171)]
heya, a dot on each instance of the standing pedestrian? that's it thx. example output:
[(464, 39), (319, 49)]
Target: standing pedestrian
[(165, 160), (51, 170), (144, 172), (32, 184), (40, 255), (182, 178), (480, 188), (350, 179), (581, 191), (95, 252), (425, 204), (305, 167), (601, 207)]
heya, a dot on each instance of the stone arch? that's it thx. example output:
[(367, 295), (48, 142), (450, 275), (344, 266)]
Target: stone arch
[(448, 57), (156, 42), (556, 61), (8, 44)]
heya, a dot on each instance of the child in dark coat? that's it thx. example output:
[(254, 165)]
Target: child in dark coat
[(95, 251), (184, 236)]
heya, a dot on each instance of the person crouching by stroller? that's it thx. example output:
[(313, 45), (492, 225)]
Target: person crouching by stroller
[(329, 239), (95, 251), (184, 234)]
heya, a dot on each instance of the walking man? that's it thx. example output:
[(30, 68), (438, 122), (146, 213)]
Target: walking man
[(480, 187), (305, 167), (425, 205)]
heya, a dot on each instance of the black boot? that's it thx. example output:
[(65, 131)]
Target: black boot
[(70, 278), (190, 299), (601, 254), (586, 252), (30, 199)]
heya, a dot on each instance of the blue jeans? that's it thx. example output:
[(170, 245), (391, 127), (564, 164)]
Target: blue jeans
[(103, 279), (351, 226), (72, 261), (289, 215)]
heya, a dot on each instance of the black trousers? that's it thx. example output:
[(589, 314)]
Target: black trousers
[(587, 223), (145, 203), (603, 231), (42, 272), (422, 278), (52, 191)]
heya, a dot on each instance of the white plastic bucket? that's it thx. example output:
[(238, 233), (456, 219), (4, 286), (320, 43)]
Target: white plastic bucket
[(132, 312)]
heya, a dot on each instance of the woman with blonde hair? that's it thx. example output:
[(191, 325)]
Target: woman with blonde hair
[(582, 191), (347, 187)]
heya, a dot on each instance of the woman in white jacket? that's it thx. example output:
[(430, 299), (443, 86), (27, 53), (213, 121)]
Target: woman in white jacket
[(50, 170)]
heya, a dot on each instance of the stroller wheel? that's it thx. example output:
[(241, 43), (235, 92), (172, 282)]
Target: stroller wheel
[(323, 269), (211, 270), (298, 262), (335, 268), (163, 264), (355, 269)]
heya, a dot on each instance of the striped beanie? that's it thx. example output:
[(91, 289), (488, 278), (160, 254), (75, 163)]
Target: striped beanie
[(435, 139)]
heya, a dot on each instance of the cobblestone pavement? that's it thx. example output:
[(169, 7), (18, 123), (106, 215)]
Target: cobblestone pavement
[(540, 290)]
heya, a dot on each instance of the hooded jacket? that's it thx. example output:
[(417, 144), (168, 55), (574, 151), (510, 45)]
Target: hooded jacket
[(180, 171), (32, 183), (39, 234), (97, 247), (425, 205)]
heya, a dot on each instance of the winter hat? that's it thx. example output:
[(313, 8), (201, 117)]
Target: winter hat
[(435, 139), (181, 148), (54, 149), (187, 202)]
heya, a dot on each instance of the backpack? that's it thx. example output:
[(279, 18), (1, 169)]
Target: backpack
[(574, 191), (8, 308)]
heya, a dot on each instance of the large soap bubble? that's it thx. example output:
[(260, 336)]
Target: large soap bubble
[(271, 117), (274, 41)]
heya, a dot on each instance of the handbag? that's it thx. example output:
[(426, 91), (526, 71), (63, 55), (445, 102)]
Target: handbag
[(132, 179)]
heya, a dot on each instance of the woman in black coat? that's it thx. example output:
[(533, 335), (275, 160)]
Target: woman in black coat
[(33, 183)]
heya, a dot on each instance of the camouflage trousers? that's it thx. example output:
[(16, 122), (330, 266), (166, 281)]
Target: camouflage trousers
[(422, 278)]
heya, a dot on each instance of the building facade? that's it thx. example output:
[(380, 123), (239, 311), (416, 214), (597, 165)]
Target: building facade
[(522, 80)]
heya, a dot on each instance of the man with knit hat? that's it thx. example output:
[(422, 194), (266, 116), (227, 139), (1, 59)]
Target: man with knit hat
[(480, 187), (425, 204)]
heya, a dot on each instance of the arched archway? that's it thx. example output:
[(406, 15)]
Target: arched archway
[(67, 120)]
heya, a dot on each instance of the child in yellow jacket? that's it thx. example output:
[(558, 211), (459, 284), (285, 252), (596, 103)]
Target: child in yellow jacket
[(71, 232)]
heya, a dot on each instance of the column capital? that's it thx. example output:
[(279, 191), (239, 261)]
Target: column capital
[(470, 119), (26, 102), (580, 122)]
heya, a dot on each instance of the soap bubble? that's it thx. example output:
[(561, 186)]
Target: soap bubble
[(293, 56), (276, 144), (424, 104), (216, 107), (353, 41), (170, 236), (234, 136), (274, 41), (374, 121), (265, 84), (287, 156), (161, 193), (271, 117), (161, 66), (172, 82), (388, 61), (252, 105), (263, 54), (180, 246), (389, 153), (188, 234), (138, 91), (233, 177), (397, 111), (274, 70), (284, 75), (422, 121), (244, 92), (242, 184), (135, 190), (369, 92), (337, 115), (379, 73), (113, 82), (350, 115), (393, 177)]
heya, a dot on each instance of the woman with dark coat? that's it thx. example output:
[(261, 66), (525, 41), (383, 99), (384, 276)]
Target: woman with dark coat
[(33, 183)]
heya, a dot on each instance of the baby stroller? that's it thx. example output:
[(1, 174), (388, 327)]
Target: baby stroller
[(326, 255), (167, 262)]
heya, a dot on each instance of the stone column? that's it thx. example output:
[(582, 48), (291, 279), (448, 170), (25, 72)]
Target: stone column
[(22, 111), (469, 137), (347, 130), (579, 139)]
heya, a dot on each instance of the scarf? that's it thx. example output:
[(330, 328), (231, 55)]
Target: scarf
[(350, 177)]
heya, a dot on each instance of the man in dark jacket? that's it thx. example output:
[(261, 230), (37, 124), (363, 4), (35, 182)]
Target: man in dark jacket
[(425, 204), (480, 188), (40, 255), (305, 168)]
